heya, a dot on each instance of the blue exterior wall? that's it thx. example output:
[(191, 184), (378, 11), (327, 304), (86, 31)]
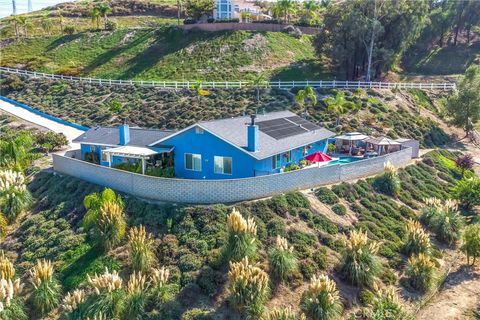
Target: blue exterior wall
[(209, 146)]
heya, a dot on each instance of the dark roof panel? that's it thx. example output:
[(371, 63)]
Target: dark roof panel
[(110, 136)]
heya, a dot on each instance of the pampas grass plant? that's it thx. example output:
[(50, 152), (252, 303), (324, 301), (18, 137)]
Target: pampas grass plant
[(283, 314), (248, 287), (47, 292), (360, 263), (282, 260), (241, 239), (386, 305), (444, 219), (321, 300), (110, 226), (420, 271), (72, 304), (7, 271), (140, 248), (107, 296), (136, 298), (161, 291), (416, 239), (14, 196)]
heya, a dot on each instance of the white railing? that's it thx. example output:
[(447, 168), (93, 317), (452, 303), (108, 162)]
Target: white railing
[(242, 84)]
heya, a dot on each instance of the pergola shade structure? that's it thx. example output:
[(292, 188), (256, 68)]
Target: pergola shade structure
[(133, 152), (349, 141), (383, 145)]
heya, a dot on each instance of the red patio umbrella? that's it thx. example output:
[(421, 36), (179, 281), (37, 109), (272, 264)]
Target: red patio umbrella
[(318, 157)]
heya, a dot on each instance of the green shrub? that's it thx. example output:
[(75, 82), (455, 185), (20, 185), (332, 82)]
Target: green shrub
[(471, 242), (321, 300), (326, 196), (279, 205), (388, 182), (307, 268), (297, 200), (281, 259), (467, 191), (276, 227), (70, 29), (208, 280), (360, 265), (420, 271), (339, 209)]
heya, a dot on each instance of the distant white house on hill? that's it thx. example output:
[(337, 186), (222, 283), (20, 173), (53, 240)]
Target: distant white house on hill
[(232, 9)]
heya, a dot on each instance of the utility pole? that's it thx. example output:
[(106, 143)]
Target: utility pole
[(30, 6), (372, 42), (14, 5)]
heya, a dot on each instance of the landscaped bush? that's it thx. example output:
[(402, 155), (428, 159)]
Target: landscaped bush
[(360, 265), (326, 196), (471, 242), (282, 260), (417, 240), (467, 191), (297, 200), (321, 300), (420, 271), (339, 209), (241, 240), (248, 287), (388, 182)]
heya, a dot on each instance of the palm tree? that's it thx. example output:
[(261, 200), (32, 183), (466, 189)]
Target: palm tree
[(47, 24), (23, 22), (304, 94), (310, 11), (94, 15), (337, 105), (258, 82), (104, 10), (285, 8)]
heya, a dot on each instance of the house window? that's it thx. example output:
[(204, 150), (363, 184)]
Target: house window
[(288, 156), (104, 156), (198, 130), (276, 161), (193, 161), (223, 165), (92, 148)]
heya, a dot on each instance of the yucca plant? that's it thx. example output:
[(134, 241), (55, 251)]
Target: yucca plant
[(471, 242), (47, 292), (283, 314), (136, 298), (420, 271), (107, 295), (14, 196), (241, 239), (388, 182), (321, 300), (360, 263), (248, 287), (7, 271), (72, 304), (111, 225), (386, 305), (11, 305), (282, 260), (161, 291), (416, 239), (140, 248)]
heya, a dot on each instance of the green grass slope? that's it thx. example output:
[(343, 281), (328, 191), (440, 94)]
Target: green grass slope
[(167, 54)]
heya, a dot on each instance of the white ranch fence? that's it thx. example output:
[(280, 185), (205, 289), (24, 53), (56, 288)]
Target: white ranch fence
[(328, 84)]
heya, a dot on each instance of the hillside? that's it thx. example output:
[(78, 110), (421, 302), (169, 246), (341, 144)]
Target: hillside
[(411, 113), (167, 53)]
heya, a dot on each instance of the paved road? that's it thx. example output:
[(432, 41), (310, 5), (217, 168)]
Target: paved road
[(70, 132)]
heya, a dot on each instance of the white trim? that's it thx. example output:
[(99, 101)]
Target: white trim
[(98, 144)]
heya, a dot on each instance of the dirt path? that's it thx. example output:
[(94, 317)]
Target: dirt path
[(459, 296)]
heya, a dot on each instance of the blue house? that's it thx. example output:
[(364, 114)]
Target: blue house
[(238, 147)]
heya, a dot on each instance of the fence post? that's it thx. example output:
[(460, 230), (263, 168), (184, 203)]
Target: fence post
[(334, 83), (431, 85)]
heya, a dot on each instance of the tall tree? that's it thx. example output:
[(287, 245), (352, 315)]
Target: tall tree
[(308, 93), (103, 10), (199, 8), (94, 15), (464, 105)]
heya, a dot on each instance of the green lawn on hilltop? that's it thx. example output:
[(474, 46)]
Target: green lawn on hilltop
[(168, 54)]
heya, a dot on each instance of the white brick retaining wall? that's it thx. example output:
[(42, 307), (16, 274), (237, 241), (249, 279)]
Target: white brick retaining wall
[(222, 191)]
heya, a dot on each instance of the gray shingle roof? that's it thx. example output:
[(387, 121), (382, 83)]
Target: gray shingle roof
[(110, 136), (234, 130)]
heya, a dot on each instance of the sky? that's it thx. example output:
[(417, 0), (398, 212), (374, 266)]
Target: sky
[(22, 5)]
